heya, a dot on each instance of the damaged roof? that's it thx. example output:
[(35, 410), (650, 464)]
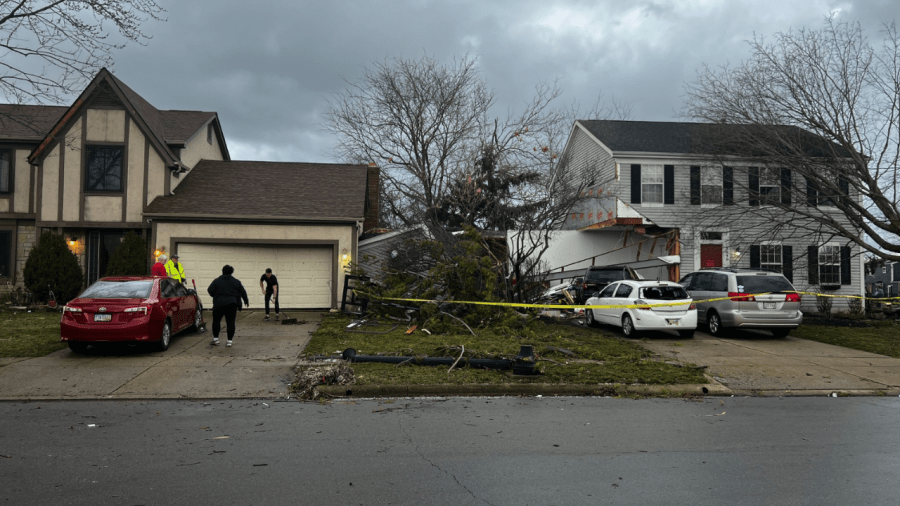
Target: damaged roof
[(287, 191)]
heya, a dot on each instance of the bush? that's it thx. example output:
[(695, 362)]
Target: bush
[(50, 264), (130, 258)]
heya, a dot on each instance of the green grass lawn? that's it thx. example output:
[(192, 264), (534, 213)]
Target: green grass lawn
[(24, 334), (597, 356), (882, 338)]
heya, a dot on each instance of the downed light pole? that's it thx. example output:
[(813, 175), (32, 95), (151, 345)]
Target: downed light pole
[(522, 363)]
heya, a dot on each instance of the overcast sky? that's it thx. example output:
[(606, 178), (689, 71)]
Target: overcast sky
[(269, 67)]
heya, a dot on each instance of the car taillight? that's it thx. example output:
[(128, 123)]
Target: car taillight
[(693, 307), (584, 286), (71, 309), (792, 297), (142, 309), (741, 297), (639, 303)]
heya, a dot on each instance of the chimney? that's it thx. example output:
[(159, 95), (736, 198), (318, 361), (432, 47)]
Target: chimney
[(373, 191)]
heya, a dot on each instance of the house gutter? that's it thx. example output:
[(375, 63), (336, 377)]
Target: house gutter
[(231, 217)]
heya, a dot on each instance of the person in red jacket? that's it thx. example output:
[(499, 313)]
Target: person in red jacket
[(159, 268)]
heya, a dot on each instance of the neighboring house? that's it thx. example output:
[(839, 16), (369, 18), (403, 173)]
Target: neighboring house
[(112, 162), (885, 275), (654, 180)]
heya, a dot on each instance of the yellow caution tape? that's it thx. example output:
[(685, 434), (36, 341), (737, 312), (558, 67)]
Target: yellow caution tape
[(661, 304)]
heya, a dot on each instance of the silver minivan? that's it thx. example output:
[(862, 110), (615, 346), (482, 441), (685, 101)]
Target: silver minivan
[(742, 307)]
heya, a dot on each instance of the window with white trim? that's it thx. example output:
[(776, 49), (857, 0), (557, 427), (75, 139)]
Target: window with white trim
[(769, 185), (770, 257), (652, 180), (711, 185), (830, 264)]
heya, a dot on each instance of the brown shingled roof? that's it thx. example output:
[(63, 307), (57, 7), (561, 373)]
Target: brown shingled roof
[(267, 190), (28, 122)]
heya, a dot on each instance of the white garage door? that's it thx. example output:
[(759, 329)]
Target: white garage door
[(304, 273)]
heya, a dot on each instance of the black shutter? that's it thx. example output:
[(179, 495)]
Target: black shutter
[(754, 256), (668, 184), (754, 186), (812, 196), (844, 186), (695, 185), (786, 186), (635, 183), (896, 271), (845, 265), (812, 253), (787, 263), (727, 186)]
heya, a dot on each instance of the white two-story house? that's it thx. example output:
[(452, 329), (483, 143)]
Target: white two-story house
[(654, 191)]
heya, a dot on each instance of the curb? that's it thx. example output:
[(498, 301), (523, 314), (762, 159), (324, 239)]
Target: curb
[(605, 389)]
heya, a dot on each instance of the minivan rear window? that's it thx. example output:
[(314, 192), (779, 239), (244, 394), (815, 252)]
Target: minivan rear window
[(663, 293), (118, 290), (762, 284)]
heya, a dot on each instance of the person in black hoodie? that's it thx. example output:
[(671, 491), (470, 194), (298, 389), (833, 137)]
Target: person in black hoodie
[(227, 293)]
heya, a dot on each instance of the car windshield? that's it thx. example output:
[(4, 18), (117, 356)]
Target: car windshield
[(663, 293), (118, 290), (607, 275), (763, 284)]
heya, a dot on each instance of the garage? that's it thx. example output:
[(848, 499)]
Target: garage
[(304, 273)]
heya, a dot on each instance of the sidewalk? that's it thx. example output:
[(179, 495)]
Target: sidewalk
[(259, 365)]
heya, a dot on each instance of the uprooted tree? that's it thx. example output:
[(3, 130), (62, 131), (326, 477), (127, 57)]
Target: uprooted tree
[(824, 104), (446, 164)]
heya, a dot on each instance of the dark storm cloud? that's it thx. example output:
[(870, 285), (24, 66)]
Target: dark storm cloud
[(269, 67)]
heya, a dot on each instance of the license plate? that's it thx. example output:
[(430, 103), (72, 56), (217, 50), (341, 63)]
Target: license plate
[(102, 317), (768, 305), (673, 321)]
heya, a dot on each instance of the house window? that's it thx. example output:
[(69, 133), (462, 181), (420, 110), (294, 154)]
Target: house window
[(5, 254), (830, 264), (5, 171), (884, 269), (770, 257), (652, 180), (104, 169), (769, 186), (711, 185)]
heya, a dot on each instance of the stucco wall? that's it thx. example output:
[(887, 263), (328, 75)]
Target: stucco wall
[(107, 209), (197, 148), (105, 125), (23, 181), (71, 179), (156, 176), (50, 186), (134, 194)]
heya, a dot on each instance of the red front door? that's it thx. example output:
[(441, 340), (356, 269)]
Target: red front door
[(710, 255)]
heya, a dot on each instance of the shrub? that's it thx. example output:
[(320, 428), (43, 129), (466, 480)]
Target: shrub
[(823, 304), (855, 306), (51, 265), (130, 258)]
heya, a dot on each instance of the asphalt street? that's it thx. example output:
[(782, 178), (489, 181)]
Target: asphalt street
[(528, 450)]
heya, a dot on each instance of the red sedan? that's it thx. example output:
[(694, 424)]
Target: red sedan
[(130, 309)]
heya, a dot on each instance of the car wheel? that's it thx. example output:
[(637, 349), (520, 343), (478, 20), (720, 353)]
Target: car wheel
[(687, 334), (589, 318), (198, 319), (166, 337), (628, 326), (715, 324), (78, 347), (780, 333)]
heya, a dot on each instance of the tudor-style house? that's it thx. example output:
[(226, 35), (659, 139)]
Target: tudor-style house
[(112, 163), (652, 184)]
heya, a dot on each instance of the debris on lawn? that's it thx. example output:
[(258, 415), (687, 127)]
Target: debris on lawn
[(309, 376), (522, 363)]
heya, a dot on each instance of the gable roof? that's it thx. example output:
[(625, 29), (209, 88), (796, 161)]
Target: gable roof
[(693, 138), (287, 191), (166, 130)]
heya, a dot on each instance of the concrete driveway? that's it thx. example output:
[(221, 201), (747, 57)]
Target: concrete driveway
[(754, 362), (259, 365)]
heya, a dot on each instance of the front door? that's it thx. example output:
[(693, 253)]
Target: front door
[(101, 244), (710, 255)]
